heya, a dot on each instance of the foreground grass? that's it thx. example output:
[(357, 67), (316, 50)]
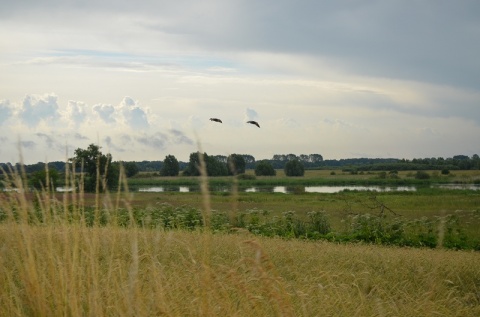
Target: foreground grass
[(72, 270), (54, 262)]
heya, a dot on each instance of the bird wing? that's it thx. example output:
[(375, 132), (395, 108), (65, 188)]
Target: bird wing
[(254, 122)]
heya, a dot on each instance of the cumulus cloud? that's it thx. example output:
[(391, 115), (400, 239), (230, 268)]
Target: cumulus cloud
[(36, 108), (133, 114), (105, 112), (76, 112), (5, 110)]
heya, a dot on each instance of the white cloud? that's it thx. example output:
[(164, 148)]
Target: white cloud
[(37, 108), (5, 111), (133, 114), (76, 112), (105, 112)]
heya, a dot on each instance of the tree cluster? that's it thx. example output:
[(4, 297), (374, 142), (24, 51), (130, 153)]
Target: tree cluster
[(100, 171), (308, 160), (215, 165)]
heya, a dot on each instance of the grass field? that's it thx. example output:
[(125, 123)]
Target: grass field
[(317, 177), (71, 270), (61, 266)]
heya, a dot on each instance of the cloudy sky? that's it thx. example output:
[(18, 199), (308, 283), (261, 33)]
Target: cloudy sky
[(343, 79)]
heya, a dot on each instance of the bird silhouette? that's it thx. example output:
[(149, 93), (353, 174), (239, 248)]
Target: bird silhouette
[(216, 120), (254, 122)]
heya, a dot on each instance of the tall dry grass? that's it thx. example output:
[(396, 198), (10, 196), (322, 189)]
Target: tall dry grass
[(59, 266)]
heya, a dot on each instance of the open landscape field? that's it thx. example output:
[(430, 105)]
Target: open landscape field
[(53, 261), (319, 177)]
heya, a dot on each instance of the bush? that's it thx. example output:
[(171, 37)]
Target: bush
[(422, 175), (264, 168), (294, 168), (382, 175)]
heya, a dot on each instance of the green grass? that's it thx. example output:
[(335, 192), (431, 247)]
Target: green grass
[(314, 177)]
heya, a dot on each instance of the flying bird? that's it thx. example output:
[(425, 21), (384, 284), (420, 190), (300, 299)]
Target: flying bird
[(254, 122), (216, 120)]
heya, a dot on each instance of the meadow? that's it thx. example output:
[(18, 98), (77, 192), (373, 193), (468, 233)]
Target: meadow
[(79, 254)]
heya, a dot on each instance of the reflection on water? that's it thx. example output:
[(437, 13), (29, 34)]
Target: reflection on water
[(336, 189), (183, 189), (285, 189), (64, 189), (151, 189), (457, 186), (280, 189)]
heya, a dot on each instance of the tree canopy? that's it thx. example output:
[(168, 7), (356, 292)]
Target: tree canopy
[(236, 164), (294, 168), (213, 165), (93, 162), (264, 168), (40, 178), (170, 166)]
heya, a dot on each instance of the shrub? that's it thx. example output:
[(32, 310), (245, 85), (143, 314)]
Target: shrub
[(294, 168), (264, 168), (422, 175)]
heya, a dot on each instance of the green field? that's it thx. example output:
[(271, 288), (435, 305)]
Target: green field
[(316, 177)]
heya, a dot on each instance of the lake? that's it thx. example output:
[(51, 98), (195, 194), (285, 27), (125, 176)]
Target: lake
[(306, 189)]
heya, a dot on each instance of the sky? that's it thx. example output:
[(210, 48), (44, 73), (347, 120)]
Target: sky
[(141, 79)]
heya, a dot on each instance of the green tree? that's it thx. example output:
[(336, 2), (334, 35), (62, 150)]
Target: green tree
[(170, 166), (193, 164), (236, 164), (294, 168), (131, 169), (214, 167), (94, 162), (264, 168), (39, 179)]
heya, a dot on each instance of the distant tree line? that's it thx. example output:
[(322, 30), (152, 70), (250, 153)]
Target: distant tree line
[(219, 164)]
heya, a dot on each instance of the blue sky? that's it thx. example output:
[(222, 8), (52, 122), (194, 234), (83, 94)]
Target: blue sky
[(141, 79)]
